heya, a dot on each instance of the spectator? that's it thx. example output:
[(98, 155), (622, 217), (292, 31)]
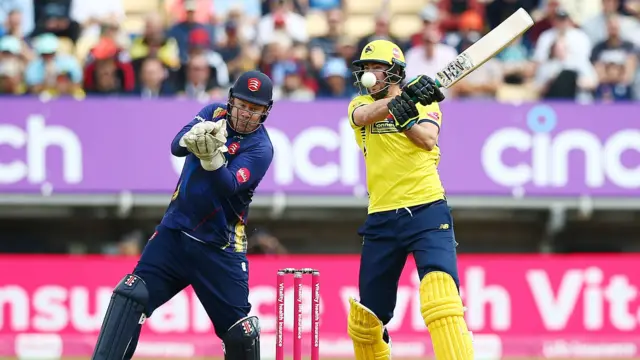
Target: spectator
[(41, 74), (564, 76), (543, 23), (483, 83), (282, 19), (575, 43), (298, 6), (198, 83), (13, 47), (278, 58), (154, 80), (381, 32), (336, 78), (615, 62), (245, 27), (54, 17), (107, 28), (451, 10), (107, 72), (431, 56), (346, 49), (596, 27), (231, 50), (329, 42), (429, 16), (189, 23), (190, 11), (515, 63), (13, 24), (92, 14), (64, 86), (292, 86), (200, 44), (13, 30), (11, 82), (250, 9), (497, 11), (471, 27), (154, 43), (21, 13)]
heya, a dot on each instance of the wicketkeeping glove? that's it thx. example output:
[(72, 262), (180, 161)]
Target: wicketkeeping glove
[(423, 89), (206, 140), (404, 112)]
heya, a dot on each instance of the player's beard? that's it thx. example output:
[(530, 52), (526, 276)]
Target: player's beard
[(381, 94)]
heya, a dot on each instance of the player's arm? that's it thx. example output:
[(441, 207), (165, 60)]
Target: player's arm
[(246, 170), (421, 124), (365, 114), (177, 145), (424, 134)]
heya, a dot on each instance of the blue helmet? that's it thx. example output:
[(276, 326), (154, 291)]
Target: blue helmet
[(254, 87)]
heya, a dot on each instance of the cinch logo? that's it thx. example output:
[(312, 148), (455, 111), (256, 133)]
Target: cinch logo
[(35, 145), (550, 160)]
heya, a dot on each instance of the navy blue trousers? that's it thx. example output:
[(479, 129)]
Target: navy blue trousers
[(172, 261), (426, 231)]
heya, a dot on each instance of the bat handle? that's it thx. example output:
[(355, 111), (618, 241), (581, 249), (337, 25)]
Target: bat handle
[(438, 84)]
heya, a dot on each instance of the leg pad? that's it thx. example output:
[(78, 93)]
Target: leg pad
[(443, 314), (242, 340), (367, 333), (126, 312)]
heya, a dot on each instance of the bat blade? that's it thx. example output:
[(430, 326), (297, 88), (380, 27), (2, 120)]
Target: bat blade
[(485, 48)]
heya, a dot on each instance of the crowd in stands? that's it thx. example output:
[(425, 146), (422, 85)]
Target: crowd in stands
[(586, 50)]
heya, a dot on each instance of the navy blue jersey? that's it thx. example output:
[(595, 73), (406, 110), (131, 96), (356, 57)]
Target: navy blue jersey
[(212, 206)]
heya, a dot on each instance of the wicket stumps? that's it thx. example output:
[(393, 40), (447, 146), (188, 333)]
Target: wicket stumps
[(297, 313)]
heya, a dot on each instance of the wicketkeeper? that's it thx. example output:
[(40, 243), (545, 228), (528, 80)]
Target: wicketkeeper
[(201, 239)]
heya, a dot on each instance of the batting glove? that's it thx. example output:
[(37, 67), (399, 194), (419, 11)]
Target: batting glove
[(404, 112), (423, 89)]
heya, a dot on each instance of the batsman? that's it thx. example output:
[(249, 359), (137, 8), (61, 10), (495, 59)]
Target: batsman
[(201, 239), (397, 131)]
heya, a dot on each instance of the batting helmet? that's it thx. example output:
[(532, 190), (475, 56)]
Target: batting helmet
[(381, 52), (254, 87)]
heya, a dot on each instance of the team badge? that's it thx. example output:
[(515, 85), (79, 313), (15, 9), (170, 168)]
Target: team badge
[(233, 147), (254, 84), (243, 175)]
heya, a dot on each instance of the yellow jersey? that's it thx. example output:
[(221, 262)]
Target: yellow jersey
[(399, 173)]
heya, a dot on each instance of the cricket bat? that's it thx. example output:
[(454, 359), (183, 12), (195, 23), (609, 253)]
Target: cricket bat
[(484, 49)]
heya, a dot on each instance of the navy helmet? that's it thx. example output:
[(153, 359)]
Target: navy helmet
[(254, 87)]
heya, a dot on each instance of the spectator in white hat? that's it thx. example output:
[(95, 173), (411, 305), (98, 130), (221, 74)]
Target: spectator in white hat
[(11, 77), (42, 72)]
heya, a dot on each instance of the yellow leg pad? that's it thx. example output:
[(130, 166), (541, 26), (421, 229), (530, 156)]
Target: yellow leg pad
[(365, 330), (442, 311)]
